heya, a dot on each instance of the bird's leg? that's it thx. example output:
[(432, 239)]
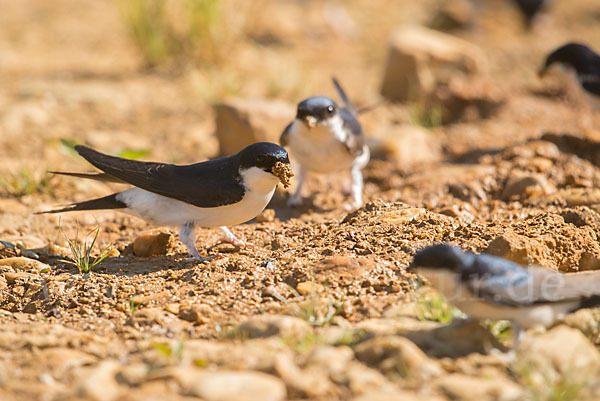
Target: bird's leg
[(188, 237), (296, 198), (356, 188), (232, 239)]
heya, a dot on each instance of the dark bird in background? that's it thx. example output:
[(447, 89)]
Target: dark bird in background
[(217, 193), (576, 63), (489, 287), (529, 9), (325, 138)]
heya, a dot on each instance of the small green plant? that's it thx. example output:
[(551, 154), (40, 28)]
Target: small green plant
[(315, 310), (24, 182), (550, 385), (173, 350), (133, 154), (434, 307), (426, 115), (351, 337), (304, 343), (501, 329), (167, 31), (82, 253), (133, 306)]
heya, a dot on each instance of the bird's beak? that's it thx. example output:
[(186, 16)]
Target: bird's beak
[(311, 121)]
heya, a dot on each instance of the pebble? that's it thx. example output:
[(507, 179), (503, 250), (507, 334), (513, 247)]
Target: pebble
[(24, 264), (224, 385), (154, 242), (274, 325), (98, 383), (468, 388), (309, 287), (395, 354)]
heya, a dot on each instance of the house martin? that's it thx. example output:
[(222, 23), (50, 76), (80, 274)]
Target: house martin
[(489, 287), (577, 63), (529, 9), (325, 138), (216, 193)]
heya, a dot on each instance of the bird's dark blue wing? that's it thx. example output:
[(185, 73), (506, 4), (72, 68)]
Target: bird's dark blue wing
[(355, 140), (499, 280), (208, 184)]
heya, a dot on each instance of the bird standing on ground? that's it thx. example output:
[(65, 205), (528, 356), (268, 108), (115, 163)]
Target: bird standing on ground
[(577, 63), (324, 138), (216, 193), (489, 287)]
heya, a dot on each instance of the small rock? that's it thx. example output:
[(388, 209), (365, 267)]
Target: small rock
[(561, 356), (458, 212), (274, 325), (266, 216), (333, 360), (226, 385), (391, 393), (258, 354), (133, 374), (12, 278), (408, 145), (468, 388), (304, 383), (157, 241), (195, 313), (457, 339), (420, 58), (241, 122), (63, 359), (523, 186), (585, 320), (149, 316), (24, 264), (309, 287), (98, 383), (53, 250), (401, 216), (519, 249), (576, 196), (172, 308), (395, 354), (400, 325)]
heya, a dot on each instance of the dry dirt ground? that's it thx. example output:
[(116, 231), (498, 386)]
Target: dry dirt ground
[(321, 307)]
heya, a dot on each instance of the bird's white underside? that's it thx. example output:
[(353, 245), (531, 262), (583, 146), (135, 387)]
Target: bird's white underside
[(321, 149), (448, 284), (163, 211)]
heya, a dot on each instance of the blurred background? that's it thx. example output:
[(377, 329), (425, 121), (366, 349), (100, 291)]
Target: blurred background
[(171, 80)]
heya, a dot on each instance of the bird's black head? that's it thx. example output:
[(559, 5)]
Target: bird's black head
[(530, 8), (316, 109), (263, 155), (574, 55), (442, 256)]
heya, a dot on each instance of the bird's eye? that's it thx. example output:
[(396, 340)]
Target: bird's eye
[(330, 109), (260, 159)]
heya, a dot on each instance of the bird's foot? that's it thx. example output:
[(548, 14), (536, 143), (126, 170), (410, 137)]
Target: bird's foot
[(229, 238), (352, 206), (235, 242), (295, 201)]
